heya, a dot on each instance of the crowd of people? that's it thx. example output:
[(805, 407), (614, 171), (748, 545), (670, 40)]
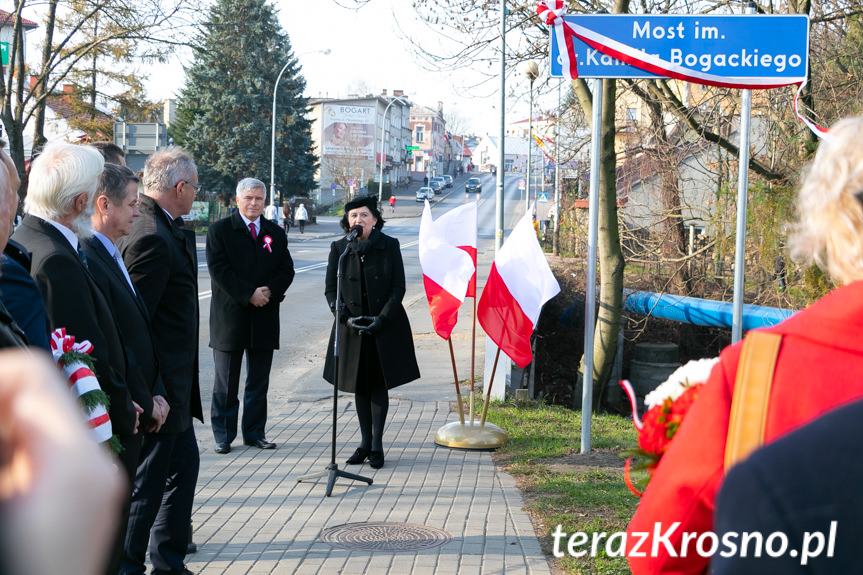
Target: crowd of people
[(117, 270)]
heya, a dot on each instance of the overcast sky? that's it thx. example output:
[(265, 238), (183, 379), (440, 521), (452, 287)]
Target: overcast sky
[(368, 50)]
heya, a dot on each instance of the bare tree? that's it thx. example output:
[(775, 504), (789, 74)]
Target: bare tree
[(152, 25)]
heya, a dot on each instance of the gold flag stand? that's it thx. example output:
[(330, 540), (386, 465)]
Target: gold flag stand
[(473, 435)]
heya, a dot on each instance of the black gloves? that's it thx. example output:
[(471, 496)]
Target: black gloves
[(366, 324)]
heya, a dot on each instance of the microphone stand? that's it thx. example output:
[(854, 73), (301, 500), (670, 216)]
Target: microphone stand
[(332, 471)]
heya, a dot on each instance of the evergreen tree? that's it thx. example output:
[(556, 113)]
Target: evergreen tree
[(225, 108)]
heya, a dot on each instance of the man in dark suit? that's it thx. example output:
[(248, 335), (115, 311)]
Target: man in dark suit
[(116, 207), (59, 203), (806, 486), (160, 257), (250, 270)]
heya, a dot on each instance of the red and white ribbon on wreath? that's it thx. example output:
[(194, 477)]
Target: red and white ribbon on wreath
[(268, 241), (553, 12), (81, 380)]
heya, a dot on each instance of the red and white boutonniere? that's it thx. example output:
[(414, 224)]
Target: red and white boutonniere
[(268, 244), (667, 406)]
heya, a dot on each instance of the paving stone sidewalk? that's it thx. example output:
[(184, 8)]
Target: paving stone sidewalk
[(251, 515)]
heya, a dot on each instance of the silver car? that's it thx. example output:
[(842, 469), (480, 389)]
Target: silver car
[(424, 194)]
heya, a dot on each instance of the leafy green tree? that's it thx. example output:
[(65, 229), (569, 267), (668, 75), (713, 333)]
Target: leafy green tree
[(225, 108)]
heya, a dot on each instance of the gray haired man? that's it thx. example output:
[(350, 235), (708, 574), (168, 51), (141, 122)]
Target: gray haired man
[(250, 270)]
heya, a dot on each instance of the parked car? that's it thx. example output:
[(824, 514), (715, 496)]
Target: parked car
[(473, 185), (424, 194), (448, 179), (436, 184)]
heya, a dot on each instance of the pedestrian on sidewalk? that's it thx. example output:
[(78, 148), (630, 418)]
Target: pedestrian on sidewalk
[(393, 203), (287, 215), (302, 215), (376, 345)]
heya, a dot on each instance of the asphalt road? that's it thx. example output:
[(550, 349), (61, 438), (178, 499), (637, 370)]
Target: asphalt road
[(306, 319)]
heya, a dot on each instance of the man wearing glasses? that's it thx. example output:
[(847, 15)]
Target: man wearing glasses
[(161, 259)]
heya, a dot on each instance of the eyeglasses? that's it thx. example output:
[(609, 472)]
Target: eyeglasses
[(196, 187)]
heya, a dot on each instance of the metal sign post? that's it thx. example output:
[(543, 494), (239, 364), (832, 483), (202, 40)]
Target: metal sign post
[(590, 289)]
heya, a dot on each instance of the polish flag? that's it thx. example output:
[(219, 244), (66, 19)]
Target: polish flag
[(447, 271), (518, 285), (458, 228)]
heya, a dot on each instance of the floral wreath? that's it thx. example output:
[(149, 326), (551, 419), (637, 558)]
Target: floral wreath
[(75, 362)]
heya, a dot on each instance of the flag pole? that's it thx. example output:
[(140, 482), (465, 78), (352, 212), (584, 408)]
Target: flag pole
[(472, 361), (455, 376), (488, 392)]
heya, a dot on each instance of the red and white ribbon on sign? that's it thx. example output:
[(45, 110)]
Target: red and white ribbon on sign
[(268, 241), (553, 11)]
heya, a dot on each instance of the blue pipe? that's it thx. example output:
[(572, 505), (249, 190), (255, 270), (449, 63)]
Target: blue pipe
[(700, 311)]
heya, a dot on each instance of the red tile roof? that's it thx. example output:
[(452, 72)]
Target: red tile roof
[(6, 17)]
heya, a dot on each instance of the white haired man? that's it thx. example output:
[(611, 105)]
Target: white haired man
[(59, 204), (250, 270)]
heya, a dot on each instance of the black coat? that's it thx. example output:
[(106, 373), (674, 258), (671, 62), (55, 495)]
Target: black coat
[(385, 289), (11, 336), (133, 320), (238, 266), (73, 300), (22, 298), (161, 259), (797, 484)]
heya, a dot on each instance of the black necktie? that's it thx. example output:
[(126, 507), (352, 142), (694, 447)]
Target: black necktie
[(82, 257)]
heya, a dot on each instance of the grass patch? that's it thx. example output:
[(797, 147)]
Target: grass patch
[(579, 492)]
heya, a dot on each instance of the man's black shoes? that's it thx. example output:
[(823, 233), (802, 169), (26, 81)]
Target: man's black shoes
[(260, 443), (223, 448)]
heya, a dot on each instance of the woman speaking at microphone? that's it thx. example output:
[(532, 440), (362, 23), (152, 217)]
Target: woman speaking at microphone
[(376, 349)]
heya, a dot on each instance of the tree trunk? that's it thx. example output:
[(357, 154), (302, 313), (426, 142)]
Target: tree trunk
[(608, 249), (41, 87)]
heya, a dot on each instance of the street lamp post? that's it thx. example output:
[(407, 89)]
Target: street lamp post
[(383, 133), (532, 72), (273, 140)]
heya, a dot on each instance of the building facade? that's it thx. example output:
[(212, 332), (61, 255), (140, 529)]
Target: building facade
[(358, 138), (428, 129)]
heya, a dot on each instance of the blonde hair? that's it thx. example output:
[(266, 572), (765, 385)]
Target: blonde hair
[(829, 231)]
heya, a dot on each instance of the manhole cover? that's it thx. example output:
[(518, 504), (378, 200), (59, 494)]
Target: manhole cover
[(384, 536)]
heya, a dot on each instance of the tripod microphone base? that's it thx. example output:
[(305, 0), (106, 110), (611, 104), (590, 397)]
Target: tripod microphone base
[(331, 474)]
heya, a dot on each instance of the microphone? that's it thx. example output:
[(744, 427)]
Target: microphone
[(355, 231)]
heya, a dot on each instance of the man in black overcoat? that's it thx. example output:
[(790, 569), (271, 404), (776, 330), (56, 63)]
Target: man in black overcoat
[(59, 203), (160, 257), (250, 270), (805, 486)]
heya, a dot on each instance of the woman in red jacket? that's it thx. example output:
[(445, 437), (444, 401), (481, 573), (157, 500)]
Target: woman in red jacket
[(819, 367)]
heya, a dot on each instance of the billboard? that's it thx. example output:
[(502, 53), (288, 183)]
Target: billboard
[(348, 130)]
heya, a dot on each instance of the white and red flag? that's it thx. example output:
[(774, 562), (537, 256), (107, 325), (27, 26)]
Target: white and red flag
[(447, 269), (458, 228), (518, 285)]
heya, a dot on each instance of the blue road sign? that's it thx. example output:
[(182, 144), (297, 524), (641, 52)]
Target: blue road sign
[(542, 199), (333, 186), (738, 46)]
